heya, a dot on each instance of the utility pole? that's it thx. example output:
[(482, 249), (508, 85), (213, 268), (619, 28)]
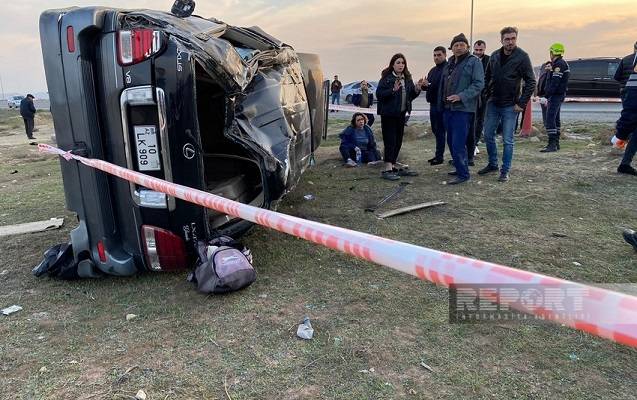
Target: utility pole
[(471, 33)]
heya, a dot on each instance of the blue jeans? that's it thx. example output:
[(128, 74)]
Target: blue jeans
[(336, 98), (496, 114), (457, 124)]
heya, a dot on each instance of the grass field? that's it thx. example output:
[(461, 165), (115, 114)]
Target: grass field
[(373, 326)]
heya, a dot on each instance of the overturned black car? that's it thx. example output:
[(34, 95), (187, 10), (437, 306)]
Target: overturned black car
[(194, 101)]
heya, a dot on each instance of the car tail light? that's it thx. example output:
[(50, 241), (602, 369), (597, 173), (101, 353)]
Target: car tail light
[(101, 251), (165, 251), (70, 39), (137, 45)]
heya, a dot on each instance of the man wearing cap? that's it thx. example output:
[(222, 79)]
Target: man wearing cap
[(510, 83), (625, 68), (626, 128), (555, 92), (462, 82), (27, 110)]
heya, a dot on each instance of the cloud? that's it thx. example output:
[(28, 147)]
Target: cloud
[(385, 41)]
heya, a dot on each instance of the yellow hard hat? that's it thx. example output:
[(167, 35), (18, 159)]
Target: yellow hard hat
[(557, 48)]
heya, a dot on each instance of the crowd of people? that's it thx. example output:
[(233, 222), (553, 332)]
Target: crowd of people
[(470, 93)]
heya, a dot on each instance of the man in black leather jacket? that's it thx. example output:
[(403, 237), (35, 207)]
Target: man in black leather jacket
[(510, 82)]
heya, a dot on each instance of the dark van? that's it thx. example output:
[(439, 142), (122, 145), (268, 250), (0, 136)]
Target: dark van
[(593, 77)]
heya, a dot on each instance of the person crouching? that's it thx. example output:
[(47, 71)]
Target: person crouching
[(357, 142)]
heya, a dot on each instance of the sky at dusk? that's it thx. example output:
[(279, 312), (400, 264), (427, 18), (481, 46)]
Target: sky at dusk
[(356, 38)]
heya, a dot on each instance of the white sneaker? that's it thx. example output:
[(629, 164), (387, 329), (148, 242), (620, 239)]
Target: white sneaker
[(350, 163)]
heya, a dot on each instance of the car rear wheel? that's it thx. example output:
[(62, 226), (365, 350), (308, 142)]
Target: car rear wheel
[(348, 98)]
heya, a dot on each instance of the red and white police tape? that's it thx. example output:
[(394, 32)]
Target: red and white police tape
[(600, 312)]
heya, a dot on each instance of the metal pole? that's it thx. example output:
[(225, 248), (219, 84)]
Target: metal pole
[(2, 87), (471, 33)]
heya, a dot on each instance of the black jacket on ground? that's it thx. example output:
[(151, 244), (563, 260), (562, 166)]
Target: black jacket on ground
[(504, 82), (388, 101), (27, 109), (626, 67), (434, 77)]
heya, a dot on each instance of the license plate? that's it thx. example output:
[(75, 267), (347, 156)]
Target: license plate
[(147, 149)]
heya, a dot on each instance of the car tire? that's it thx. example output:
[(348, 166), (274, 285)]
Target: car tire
[(348, 98)]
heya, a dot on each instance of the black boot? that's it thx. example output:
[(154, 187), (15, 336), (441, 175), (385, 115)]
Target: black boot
[(557, 141), (630, 236), (552, 146)]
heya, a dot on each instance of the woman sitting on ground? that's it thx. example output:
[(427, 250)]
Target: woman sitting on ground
[(358, 135)]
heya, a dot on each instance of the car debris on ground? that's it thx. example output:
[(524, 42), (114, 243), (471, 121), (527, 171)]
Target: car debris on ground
[(11, 310), (31, 227), (407, 209)]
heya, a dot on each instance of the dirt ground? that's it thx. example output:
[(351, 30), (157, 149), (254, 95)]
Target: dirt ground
[(561, 214)]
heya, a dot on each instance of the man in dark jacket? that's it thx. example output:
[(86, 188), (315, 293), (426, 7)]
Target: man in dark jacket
[(555, 92), (479, 49), (462, 82), (335, 88), (625, 69), (27, 110), (509, 73), (436, 108)]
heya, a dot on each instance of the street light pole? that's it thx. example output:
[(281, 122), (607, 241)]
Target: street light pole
[(471, 33)]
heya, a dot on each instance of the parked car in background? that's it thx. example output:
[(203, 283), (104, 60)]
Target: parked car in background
[(229, 110), (14, 101), (593, 77), (352, 88)]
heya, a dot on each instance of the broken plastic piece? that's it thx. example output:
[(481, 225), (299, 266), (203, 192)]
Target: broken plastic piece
[(305, 330), (11, 310), (29, 227)]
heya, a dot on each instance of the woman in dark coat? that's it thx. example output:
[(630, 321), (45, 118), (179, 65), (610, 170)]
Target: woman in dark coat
[(395, 92)]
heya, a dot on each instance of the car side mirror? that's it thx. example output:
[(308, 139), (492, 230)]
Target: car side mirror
[(183, 8)]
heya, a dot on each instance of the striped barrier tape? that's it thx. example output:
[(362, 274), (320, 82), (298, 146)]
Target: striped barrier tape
[(601, 312), (353, 109)]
